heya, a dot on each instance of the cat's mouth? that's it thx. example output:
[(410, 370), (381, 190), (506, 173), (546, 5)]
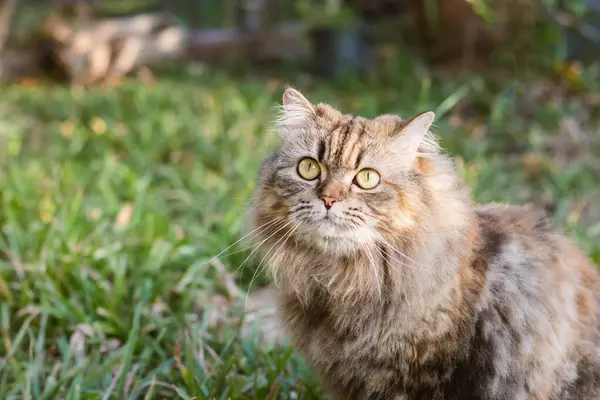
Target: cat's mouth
[(335, 238), (328, 218), (333, 233), (331, 227)]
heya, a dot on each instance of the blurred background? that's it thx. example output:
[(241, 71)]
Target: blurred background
[(130, 136)]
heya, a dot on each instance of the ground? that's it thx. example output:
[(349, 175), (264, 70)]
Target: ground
[(115, 201)]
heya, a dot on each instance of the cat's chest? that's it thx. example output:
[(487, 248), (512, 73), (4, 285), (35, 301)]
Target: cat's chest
[(365, 337), (363, 355)]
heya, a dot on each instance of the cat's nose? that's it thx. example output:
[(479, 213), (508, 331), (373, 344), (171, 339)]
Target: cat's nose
[(328, 201)]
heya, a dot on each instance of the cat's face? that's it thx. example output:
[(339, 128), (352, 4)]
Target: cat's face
[(341, 182)]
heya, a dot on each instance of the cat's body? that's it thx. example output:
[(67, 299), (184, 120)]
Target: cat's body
[(407, 290), (511, 324)]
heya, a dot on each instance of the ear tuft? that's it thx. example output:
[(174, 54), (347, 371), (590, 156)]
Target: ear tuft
[(297, 112), (293, 97), (423, 121), (415, 139)]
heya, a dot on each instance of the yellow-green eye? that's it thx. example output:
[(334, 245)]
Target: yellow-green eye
[(309, 169), (367, 178)]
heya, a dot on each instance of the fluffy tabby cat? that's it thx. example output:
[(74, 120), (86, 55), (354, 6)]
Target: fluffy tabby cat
[(393, 284)]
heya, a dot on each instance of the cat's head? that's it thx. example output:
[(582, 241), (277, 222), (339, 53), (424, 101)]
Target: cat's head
[(340, 182)]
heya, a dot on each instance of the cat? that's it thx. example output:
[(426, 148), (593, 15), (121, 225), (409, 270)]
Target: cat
[(393, 284)]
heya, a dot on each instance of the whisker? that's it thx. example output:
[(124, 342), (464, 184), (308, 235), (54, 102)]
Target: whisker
[(373, 265), (258, 269), (388, 245), (359, 217), (275, 244), (265, 225), (386, 254), (392, 247), (260, 244), (403, 271)]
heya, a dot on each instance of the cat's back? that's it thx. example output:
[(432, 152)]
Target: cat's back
[(521, 241), (539, 301)]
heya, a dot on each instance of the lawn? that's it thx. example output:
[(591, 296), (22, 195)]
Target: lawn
[(114, 202)]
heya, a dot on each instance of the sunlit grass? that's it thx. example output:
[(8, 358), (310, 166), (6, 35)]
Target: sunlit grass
[(113, 202)]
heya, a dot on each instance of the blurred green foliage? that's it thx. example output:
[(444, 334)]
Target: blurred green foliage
[(113, 201)]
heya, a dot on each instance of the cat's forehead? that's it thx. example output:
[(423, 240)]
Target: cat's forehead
[(344, 141), (379, 127)]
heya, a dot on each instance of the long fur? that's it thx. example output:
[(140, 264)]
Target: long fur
[(410, 290)]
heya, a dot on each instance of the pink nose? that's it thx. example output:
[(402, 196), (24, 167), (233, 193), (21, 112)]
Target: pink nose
[(328, 201)]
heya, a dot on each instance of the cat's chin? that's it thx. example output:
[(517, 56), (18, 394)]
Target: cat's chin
[(333, 240)]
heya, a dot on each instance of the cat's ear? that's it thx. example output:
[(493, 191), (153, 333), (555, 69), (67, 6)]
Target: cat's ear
[(414, 135), (297, 113), (292, 97)]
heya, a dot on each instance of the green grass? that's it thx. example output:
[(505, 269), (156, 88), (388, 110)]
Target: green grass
[(112, 203)]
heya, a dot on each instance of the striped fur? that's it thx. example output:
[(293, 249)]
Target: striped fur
[(410, 290)]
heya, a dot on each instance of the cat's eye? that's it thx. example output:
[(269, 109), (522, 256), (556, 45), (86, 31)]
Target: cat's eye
[(309, 169), (367, 179)]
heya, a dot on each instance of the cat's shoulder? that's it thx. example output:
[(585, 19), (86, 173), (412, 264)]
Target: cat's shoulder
[(502, 224), (514, 237), (501, 220), (510, 218)]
